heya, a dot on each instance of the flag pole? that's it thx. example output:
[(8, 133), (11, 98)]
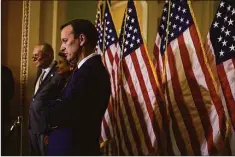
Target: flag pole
[(165, 53), (152, 67), (111, 143), (120, 66), (100, 2), (203, 50), (215, 83), (122, 48), (103, 8)]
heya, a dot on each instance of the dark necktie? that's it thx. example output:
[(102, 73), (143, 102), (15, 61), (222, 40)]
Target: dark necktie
[(39, 81), (41, 77)]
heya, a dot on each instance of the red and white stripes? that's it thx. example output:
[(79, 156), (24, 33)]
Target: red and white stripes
[(226, 75), (196, 111)]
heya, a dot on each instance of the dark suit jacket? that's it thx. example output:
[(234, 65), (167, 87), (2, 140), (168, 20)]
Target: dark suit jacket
[(48, 90), (8, 88), (83, 106)]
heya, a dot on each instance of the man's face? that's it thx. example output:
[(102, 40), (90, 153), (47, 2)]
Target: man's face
[(70, 45), (62, 66), (39, 58)]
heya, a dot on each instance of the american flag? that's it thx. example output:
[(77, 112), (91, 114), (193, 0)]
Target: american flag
[(139, 111), (197, 118), (221, 44), (108, 41), (99, 28)]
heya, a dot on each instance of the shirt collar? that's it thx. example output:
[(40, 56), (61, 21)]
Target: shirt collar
[(48, 68), (86, 58)]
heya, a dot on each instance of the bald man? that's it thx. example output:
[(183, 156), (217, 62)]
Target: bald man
[(47, 87)]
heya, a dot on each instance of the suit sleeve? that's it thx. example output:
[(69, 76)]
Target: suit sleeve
[(69, 111)]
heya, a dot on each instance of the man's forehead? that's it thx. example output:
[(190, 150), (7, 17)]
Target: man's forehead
[(67, 30), (38, 48)]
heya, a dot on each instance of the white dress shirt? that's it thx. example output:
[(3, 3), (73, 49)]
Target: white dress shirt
[(86, 58), (46, 72)]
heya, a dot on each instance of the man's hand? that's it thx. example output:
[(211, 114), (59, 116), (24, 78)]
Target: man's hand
[(46, 140)]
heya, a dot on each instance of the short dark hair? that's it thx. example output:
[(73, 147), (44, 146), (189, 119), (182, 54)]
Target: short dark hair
[(62, 55), (48, 50), (82, 26)]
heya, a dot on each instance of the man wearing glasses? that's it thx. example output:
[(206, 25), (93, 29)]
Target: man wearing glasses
[(47, 87)]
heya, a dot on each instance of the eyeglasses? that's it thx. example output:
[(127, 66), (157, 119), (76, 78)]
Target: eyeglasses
[(35, 57)]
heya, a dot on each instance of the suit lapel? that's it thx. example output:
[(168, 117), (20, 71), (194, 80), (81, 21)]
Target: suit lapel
[(50, 74), (39, 71)]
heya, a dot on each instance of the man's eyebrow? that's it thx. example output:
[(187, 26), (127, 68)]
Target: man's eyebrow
[(67, 35), (70, 33)]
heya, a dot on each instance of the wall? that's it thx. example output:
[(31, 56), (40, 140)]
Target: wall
[(204, 12), (81, 9), (46, 21), (10, 53), (11, 44), (154, 14)]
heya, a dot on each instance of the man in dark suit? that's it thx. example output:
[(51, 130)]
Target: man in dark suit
[(87, 94), (47, 86), (8, 88)]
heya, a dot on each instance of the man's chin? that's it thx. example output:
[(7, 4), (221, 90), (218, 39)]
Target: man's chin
[(68, 59), (39, 66), (72, 61)]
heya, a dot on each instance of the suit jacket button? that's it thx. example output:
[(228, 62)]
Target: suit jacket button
[(33, 99)]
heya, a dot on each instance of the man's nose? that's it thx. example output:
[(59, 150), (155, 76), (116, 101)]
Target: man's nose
[(62, 48), (34, 58)]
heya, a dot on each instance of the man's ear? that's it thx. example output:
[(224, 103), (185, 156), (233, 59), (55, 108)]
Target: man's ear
[(82, 39)]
